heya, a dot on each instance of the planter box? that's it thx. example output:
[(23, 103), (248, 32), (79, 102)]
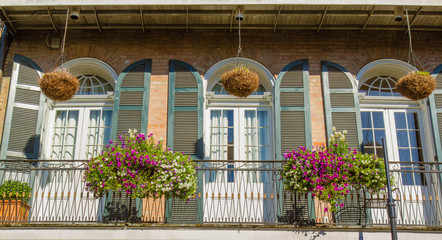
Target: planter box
[(13, 211)]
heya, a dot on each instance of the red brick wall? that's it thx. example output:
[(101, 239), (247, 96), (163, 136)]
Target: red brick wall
[(202, 49)]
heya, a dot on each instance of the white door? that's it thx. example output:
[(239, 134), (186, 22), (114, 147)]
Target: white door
[(240, 137), (75, 133), (402, 131)]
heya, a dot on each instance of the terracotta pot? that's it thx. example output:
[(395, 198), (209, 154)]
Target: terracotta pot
[(13, 211)]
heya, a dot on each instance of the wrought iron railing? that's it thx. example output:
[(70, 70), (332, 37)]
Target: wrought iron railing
[(230, 192)]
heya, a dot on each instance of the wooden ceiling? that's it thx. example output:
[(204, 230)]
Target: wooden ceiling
[(266, 17)]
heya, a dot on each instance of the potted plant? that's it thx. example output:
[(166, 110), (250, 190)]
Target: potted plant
[(59, 84), (141, 167), (416, 85), (14, 196), (240, 81), (330, 173)]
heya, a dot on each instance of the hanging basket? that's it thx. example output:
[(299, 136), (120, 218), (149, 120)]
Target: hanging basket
[(240, 81), (59, 84), (416, 85)]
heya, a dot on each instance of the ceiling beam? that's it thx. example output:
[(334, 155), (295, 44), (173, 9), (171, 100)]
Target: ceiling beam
[(245, 26), (360, 13), (322, 18), (9, 22), (52, 19), (277, 17), (368, 17), (96, 19), (142, 18)]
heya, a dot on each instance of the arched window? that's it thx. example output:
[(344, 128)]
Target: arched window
[(386, 114), (81, 126)]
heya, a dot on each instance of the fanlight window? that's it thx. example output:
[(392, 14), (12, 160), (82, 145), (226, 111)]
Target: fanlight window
[(218, 89), (380, 86), (93, 85)]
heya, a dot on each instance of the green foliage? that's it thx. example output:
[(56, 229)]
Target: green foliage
[(329, 173), (422, 73), (15, 190), (141, 167)]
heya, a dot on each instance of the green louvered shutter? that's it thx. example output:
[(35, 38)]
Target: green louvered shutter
[(21, 132), (341, 106), (293, 130), (185, 131), (131, 105), (131, 108), (436, 111), (341, 103)]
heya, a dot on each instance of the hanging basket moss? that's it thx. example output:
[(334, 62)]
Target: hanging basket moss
[(59, 84), (240, 81), (416, 85)]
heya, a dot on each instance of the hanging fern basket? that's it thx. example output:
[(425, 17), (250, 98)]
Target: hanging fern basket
[(416, 85), (240, 81), (59, 84)]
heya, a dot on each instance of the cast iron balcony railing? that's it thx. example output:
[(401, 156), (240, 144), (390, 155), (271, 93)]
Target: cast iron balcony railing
[(230, 192)]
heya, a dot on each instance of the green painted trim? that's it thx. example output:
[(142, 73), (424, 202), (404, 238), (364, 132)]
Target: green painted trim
[(433, 114), (186, 109), (146, 94), (18, 59), (170, 122), (145, 89), (278, 108), (140, 108), (327, 105), (343, 110), (341, 90), (326, 100), (293, 109), (307, 114), (134, 89), (186, 89), (295, 90)]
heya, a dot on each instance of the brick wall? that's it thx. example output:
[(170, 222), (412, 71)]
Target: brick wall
[(202, 49)]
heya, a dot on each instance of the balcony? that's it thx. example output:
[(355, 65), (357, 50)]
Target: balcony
[(240, 193)]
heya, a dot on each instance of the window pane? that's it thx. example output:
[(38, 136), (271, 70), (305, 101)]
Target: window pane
[(412, 121), (366, 119), (378, 119), (378, 135), (367, 137), (400, 121), (402, 138)]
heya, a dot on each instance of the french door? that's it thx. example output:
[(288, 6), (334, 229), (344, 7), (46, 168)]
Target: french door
[(240, 138), (403, 132)]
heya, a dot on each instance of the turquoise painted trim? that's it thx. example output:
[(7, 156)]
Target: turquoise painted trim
[(433, 115), (341, 90), (291, 90), (278, 107), (343, 110), (307, 120), (170, 124), (18, 59), (146, 94), (145, 89), (131, 108), (133, 89), (186, 89), (294, 109), (327, 105), (186, 109)]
